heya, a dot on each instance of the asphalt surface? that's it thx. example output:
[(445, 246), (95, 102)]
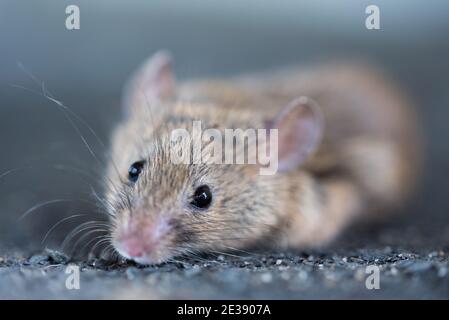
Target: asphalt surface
[(406, 271), (402, 274)]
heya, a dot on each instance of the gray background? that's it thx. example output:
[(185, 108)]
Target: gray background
[(87, 68)]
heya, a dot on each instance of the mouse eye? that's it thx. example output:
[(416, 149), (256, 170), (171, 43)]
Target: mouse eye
[(202, 197), (135, 170)]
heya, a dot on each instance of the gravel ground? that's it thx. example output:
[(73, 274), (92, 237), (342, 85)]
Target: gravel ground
[(337, 273)]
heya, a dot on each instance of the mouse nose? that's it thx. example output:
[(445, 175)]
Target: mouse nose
[(133, 247), (142, 240)]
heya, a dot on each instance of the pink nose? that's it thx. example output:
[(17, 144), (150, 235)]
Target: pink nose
[(140, 240), (135, 247)]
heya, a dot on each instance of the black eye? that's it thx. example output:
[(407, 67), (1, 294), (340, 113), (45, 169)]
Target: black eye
[(135, 170), (202, 197)]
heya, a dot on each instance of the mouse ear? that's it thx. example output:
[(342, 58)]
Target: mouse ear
[(300, 127), (154, 80)]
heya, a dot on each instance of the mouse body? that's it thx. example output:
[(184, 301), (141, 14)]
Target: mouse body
[(348, 148)]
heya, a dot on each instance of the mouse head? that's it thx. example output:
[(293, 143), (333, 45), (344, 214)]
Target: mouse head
[(161, 209)]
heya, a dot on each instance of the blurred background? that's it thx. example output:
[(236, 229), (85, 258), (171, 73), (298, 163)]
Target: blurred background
[(87, 68)]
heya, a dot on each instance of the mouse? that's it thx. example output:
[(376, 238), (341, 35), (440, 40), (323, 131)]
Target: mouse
[(348, 149)]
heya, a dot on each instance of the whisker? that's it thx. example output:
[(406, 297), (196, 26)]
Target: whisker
[(82, 227), (40, 205), (8, 172), (58, 223), (100, 242), (84, 236), (103, 236), (243, 251), (106, 251), (67, 112), (227, 254)]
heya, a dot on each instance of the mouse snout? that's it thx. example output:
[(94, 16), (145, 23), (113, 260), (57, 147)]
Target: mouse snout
[(133, 247), (143, 241)]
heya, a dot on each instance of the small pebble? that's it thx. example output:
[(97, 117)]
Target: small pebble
[(38, 259), (57, 257), (193, 271)]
